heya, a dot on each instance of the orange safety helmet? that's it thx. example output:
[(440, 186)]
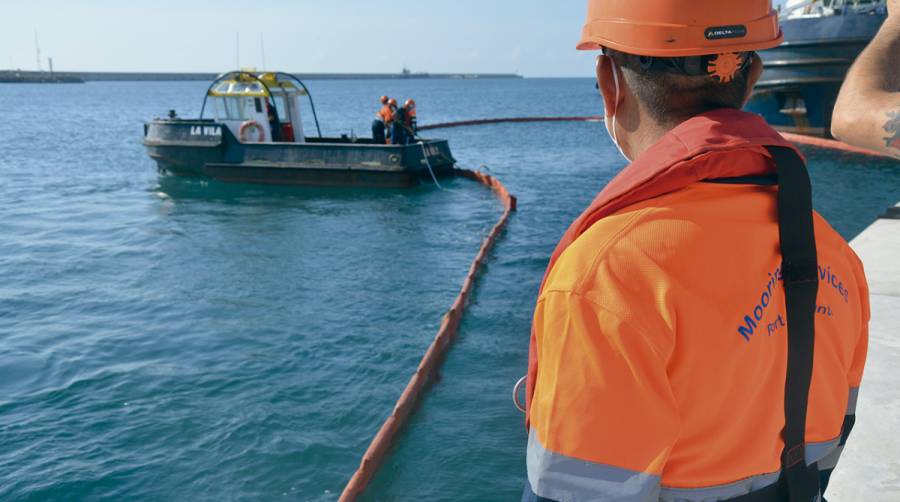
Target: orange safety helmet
[(410, 103), (384, 100), (678, 28), (392, 102)]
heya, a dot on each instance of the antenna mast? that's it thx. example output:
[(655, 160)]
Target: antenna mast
[(237, 50), (37, 51), (262, 49)]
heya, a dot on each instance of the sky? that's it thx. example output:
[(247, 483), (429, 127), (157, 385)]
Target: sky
[(535, 38)]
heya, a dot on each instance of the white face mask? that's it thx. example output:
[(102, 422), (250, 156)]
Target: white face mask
[(611, 120)]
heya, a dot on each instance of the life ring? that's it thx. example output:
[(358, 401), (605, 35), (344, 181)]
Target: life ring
[(245, 131)]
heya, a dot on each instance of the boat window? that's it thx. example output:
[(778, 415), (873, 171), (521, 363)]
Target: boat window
[(245, 88), (232, 108), (222, 87), (221, 111), (281, 107), (258, 103)]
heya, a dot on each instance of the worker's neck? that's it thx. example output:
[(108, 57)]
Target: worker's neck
[(645, 136)]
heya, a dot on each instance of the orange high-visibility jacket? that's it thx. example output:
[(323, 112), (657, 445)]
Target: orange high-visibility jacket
[(386, 115), (410, 117), (658, 357)]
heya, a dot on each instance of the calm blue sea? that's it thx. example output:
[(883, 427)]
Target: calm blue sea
[(176, 339)]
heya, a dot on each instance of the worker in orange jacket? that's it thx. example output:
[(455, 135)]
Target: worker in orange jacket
[(405, 126), (382, 121), (410, 117), (701, 332)]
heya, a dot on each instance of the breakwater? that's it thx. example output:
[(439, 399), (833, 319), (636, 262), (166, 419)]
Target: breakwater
[(16, 76), (37, 77)]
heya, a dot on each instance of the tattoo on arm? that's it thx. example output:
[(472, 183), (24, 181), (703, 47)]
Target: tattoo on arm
[(892, 128)]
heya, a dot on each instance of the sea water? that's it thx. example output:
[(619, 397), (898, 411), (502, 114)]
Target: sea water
[(168, 339)]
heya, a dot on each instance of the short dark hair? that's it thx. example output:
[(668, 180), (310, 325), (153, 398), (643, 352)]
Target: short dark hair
[(671, 98)]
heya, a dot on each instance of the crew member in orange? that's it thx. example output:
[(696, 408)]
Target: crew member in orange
[(404, 130), (390, 120), (381, 122), (701, 332), (410, 119)]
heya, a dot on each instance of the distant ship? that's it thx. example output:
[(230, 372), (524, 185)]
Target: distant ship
[(803, 76)]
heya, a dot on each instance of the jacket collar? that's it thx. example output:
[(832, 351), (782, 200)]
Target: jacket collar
[(722, 143)]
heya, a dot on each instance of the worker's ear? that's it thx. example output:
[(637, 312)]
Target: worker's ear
[(607, 73), (755, 72)]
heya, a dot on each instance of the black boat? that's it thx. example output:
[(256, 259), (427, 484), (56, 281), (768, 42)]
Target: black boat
[(803, 76), (257, 137)]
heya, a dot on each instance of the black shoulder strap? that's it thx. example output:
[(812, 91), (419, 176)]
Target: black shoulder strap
[(801, 284), (746, 180)]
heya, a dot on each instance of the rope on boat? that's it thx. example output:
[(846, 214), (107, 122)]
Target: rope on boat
[(428, 163), (430, 364), (455, 165)]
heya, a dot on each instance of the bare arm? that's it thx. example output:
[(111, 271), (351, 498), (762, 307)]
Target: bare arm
[(867, 113)]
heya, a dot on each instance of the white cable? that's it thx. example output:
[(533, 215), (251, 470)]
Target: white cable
[(433, 177), (428, 163)]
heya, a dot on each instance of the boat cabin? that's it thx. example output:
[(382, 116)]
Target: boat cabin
[(263, 108)]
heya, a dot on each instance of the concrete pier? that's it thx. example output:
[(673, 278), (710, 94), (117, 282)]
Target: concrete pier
[(869, 470)]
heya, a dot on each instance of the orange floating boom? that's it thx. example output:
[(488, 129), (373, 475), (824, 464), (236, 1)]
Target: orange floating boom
[(428, 368)]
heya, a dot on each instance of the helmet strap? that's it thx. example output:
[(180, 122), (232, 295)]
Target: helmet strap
[(721, 67)]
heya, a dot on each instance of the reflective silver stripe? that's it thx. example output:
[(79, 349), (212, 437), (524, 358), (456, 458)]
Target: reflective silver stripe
[(719, 492), (566, 479), (851, 402), (830, 461), (818, 451), (815, 452)]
